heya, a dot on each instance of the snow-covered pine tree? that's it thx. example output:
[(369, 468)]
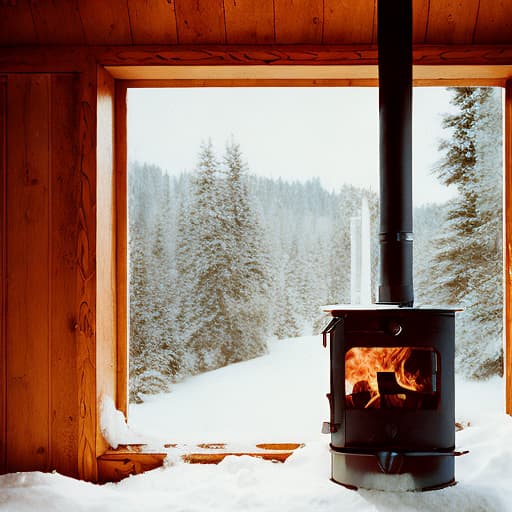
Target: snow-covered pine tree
[(204, 264), (146, 369), (468, 266), (247, 286)]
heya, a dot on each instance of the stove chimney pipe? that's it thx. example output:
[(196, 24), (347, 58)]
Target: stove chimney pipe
[(395, 114)]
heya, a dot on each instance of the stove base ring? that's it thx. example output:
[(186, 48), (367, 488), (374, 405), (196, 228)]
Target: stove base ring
[(393, 471)]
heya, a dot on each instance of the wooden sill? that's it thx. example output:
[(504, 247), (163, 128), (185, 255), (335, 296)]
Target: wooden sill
[(126, 460)]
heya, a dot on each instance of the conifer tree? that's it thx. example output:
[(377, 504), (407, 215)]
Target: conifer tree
[(247, 286), (468, 267)]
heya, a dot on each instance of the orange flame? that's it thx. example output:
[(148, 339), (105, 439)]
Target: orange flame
[(363, 363)]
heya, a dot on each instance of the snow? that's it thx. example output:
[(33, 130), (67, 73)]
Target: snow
[(277, 397)]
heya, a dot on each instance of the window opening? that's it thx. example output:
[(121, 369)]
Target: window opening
[(306, 159)]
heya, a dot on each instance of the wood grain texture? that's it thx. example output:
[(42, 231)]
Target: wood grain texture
[(115, 465), (152, 21), (31, 22), (16, 24), (3, 274), (249, 22), (85, 324), (494, 23), (106, 284), (217, 458), (64, 186), (420, 18), (508, 247), (298, 21), (256, 82), (452, 21), (121, 185), (348, 22), (57, 23), (105, 22), (42, 59), (200, 21), (28, 253)]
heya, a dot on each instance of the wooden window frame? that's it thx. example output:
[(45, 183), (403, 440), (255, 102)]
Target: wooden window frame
[(291, 76)]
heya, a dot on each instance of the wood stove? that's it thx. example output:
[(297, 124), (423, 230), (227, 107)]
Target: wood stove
[(392, 420), (392, 394)]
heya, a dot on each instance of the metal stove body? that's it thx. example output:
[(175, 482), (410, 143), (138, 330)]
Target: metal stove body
[(392, 396)]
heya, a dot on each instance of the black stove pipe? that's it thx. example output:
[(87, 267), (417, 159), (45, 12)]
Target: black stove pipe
[(395, 114)]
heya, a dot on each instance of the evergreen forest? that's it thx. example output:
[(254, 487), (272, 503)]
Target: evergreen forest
[(221, 260)]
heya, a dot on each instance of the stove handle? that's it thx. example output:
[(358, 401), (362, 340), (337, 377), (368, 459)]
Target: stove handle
[(329, 329)]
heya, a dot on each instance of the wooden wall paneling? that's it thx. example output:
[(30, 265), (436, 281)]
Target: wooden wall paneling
[(299, 21), (57, 23), (16, 23), (200, 22), (105, 22), (152, 21), (65, 188), (106, 255), (420, 14), (494, 23), (121, 200), (28, 287), (348, 22), (452, 21), (249, 22), (508, 247), (3, 354), (85, 325)]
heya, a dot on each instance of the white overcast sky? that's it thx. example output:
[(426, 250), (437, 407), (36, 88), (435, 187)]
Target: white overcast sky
[(295, 133)]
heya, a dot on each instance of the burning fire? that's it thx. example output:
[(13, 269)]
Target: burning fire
[(405, 370)]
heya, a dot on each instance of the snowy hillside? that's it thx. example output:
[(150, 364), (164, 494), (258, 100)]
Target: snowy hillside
[(278, 397)]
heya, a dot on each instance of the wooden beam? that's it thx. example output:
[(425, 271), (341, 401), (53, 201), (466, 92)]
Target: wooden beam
[(508, 247), (114, 465), (311, 75), (121, 201), (68, 59), (3, 273), (85, 324), (106, 279)]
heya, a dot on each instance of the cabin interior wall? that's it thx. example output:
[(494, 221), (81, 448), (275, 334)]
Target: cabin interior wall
[(40, 218), (58, 265)]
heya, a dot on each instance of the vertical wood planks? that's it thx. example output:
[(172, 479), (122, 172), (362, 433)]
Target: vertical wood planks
[(452, 21), (105, 22), (106, 314), (249, 22), (64, 186), (299, 21), (152, 21), (122, 247), (16, 23), (3, 355), (348, 22), (28, 350), (494, 24), (57, 23), (200, 21), (508, 247), (420, 14)]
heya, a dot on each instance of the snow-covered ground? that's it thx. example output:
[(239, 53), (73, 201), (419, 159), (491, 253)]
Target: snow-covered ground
[(278, 397)]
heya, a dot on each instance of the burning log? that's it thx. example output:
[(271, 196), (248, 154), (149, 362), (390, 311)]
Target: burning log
[(390, 378)]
